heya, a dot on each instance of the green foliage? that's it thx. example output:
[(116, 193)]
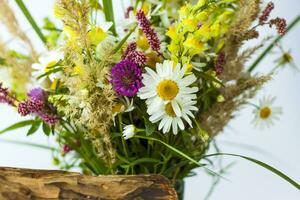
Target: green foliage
[(150, 127), (30, 19), (18, 125), (34, 127)]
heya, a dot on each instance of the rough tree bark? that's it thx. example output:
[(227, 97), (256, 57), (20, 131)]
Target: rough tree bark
[(25, 184)]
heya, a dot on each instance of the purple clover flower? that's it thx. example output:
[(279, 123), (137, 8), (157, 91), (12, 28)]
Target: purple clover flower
[(126, 78), (38, 93)]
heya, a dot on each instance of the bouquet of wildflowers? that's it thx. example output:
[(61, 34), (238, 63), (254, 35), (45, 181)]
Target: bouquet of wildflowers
[(146, 93)]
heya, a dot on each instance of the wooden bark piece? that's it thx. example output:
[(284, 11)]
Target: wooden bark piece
[(25, 184)]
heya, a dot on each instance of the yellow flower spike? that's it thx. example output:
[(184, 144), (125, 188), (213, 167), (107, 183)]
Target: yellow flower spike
[(184, 12), (189, 68), (204, 33), (202, 16), (54, 84), (194, 45), (174, 48), (96, 35), (143, 43), (172, 32), (189, 24)]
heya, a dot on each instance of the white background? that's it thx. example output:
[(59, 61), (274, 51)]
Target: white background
[(278, 146)]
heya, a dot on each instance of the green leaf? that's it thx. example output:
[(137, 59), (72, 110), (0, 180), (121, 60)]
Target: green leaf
[(109, 14), (2, 61), (120, 44), (34, 127), (273, 44), (150, 127), (30, 19), (144, 160), (46, 129), (262, 164), (17, 125), (50, 72)]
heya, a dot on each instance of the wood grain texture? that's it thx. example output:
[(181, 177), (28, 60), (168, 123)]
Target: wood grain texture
[(25, 184)]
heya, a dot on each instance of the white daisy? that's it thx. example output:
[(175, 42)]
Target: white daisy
[(266, 113), (46, 63), (168, 95), (167, 84), (129, 131), (169, 119)]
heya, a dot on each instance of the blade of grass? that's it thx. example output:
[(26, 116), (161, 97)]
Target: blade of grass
[(171, 148), (30, 19), (270, 47), (262, 164), (40, 146), (109, 14), (180, 153)]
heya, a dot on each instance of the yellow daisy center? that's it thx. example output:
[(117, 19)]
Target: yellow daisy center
[(169, 110), (167, 89), (265, 112), (50, 65)]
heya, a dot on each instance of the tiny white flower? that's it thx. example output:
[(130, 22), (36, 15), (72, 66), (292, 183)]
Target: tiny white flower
[(266, 113), (129, 131), (46, 63)]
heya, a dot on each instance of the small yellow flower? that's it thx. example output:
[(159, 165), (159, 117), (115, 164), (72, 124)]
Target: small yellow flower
[(194, 45), (96, 35), (220, 98), (172, 32), (54, 84), (143, 43)]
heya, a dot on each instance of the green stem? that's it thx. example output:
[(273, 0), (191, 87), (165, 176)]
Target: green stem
[(31, 20), (121, 130), (270, 47), (109, 14)]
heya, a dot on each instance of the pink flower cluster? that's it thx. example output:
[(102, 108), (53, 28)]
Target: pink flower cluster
[(133, 55), (149, 32), (5, 96), (37, 104), (220, 62), (280, 24), (266, 13)]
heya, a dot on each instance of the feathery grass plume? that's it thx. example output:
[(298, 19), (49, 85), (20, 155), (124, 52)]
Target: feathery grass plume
[(217, 117), (235, 67), (75, 17), (247, 12), (8, 18), (91, 98)]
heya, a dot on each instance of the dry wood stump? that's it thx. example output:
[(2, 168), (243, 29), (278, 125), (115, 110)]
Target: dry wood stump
[(25, 184)]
